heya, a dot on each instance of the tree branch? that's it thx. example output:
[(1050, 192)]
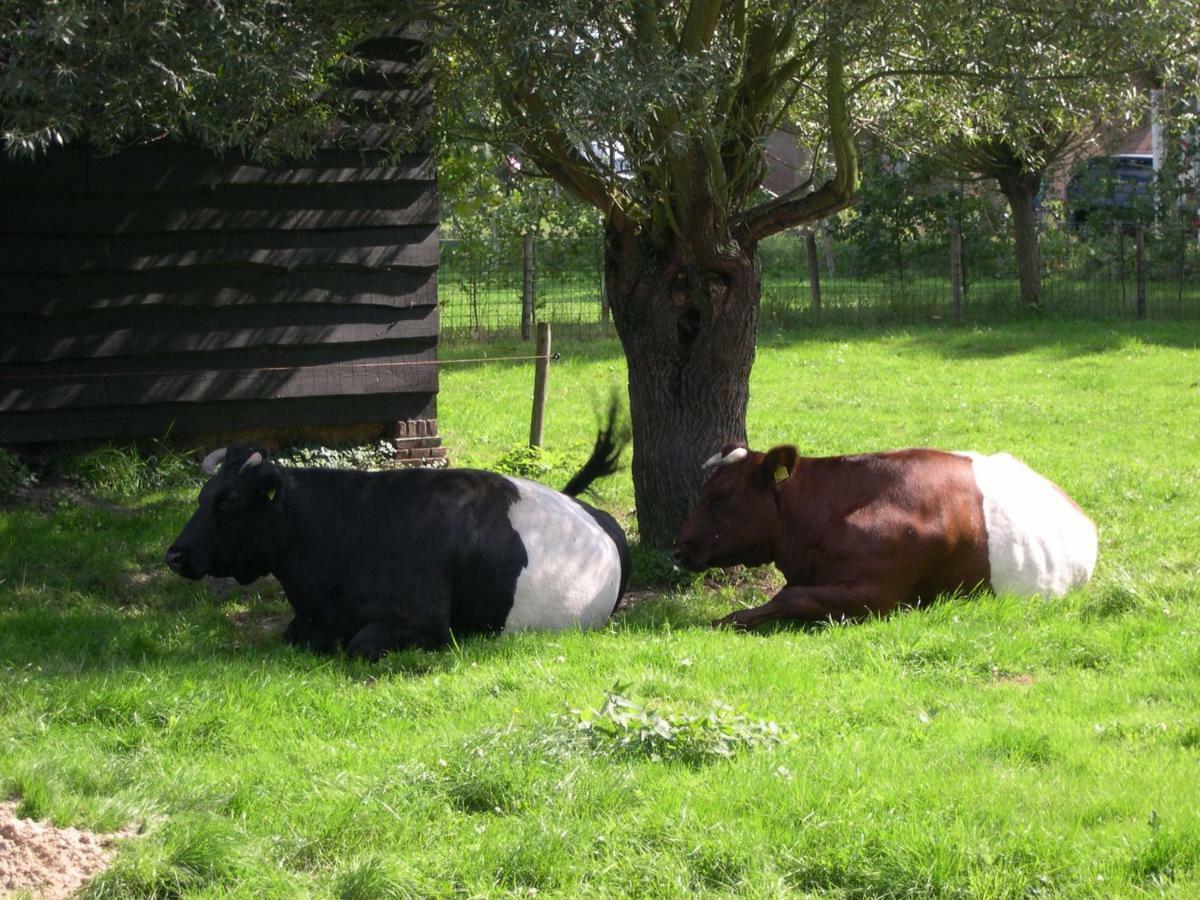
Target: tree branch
[(796, 208), (544, 143), (699, 26)]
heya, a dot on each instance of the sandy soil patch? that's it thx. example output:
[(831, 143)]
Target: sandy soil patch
[(49, 862)]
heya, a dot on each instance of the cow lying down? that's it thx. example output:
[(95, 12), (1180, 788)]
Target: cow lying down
[(857, 536), (378, 561)]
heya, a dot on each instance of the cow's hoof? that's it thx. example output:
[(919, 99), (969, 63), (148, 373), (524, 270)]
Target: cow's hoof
[(733, 621)]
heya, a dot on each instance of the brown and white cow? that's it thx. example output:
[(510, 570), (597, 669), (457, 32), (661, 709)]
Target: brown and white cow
[(857, 536)]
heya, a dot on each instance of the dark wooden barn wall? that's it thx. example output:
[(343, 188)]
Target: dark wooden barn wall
[(166, 289)]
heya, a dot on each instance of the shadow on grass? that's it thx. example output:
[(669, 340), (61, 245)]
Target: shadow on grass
[(92, 595), (1064, 338), (95, 638)]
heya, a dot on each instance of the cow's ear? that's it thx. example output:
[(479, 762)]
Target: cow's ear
[(779, 463)]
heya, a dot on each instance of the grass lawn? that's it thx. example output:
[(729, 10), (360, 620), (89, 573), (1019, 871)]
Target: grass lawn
[(988, 748)]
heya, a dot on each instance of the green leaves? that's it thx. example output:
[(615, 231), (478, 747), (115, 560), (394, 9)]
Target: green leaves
[(625, 727), (252, 76)]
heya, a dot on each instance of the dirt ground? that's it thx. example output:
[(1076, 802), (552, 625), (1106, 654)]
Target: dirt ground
[(47, 862)]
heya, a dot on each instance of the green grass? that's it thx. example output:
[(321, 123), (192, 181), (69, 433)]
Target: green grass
[(983, 748)]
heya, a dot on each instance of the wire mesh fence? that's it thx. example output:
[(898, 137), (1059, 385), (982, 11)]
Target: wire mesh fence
[(481, 290), (1089, 274), (1097, 272)]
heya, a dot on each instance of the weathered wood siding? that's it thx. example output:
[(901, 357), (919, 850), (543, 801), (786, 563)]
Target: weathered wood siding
[(166, 289)]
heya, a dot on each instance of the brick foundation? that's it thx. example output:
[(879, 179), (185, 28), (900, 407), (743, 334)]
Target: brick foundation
[(417, 442)]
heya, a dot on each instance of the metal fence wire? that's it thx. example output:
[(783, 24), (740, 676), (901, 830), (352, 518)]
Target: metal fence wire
[(1097, 272), (481, 289)]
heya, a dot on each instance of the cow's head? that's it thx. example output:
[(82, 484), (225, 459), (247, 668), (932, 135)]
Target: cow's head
[(736, 520), (237, 525)]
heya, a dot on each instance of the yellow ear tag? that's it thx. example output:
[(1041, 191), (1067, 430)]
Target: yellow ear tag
[(271, 494), (781, 474)]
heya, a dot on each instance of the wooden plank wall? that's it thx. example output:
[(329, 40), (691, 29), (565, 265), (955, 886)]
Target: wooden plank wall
[(166, 289)]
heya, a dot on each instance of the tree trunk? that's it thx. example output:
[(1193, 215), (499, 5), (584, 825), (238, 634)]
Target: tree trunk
[(687, 326), (1020, 189)]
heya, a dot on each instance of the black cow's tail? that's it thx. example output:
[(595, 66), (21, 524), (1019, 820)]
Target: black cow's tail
[(611, 442)]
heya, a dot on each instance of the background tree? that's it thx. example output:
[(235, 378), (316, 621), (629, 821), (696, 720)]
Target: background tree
[(1017, 88)]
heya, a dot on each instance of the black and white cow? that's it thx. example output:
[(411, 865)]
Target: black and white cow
[(379, 561)]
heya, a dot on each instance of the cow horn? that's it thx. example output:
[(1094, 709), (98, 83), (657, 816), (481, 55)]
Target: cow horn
[(254, 459), (214, 459), (731, 457)]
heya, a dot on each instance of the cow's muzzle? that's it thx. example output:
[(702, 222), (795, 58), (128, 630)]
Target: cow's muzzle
[(686, 556), (179, 562)]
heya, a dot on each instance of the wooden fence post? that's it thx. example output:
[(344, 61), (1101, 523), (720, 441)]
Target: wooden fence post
[(814, 271), (956, 268), (527, 288), (1139, 259), (541, 369)]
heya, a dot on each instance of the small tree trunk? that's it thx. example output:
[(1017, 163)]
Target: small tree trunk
[(827, 248), (687, 327), (1020, 189), (814, 270), (605, 312), (1139, 262), (956, 270), (527, 287), (1120, 230)]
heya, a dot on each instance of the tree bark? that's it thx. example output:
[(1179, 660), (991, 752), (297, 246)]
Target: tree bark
[(1020, 189), (687, 323)]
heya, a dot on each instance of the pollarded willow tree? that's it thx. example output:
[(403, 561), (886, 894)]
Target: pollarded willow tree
[(656, 114)]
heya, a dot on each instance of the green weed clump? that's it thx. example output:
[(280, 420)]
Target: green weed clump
[(623, 727), (534, 463), (126, 470)]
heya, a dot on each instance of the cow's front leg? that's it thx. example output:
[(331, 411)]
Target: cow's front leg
[(305, 631), (815, 604), (297, 630), (383, 635)]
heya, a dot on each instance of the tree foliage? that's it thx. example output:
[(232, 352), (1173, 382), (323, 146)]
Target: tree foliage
[(253, 75), (1014, 88), (656, 113)]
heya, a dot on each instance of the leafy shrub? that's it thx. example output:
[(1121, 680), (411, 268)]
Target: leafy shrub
[(625, 727), (535, 463), (657, 568), (14, 474), (380, 455)]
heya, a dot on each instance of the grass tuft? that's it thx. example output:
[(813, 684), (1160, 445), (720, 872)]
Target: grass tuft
[(183, 857)]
